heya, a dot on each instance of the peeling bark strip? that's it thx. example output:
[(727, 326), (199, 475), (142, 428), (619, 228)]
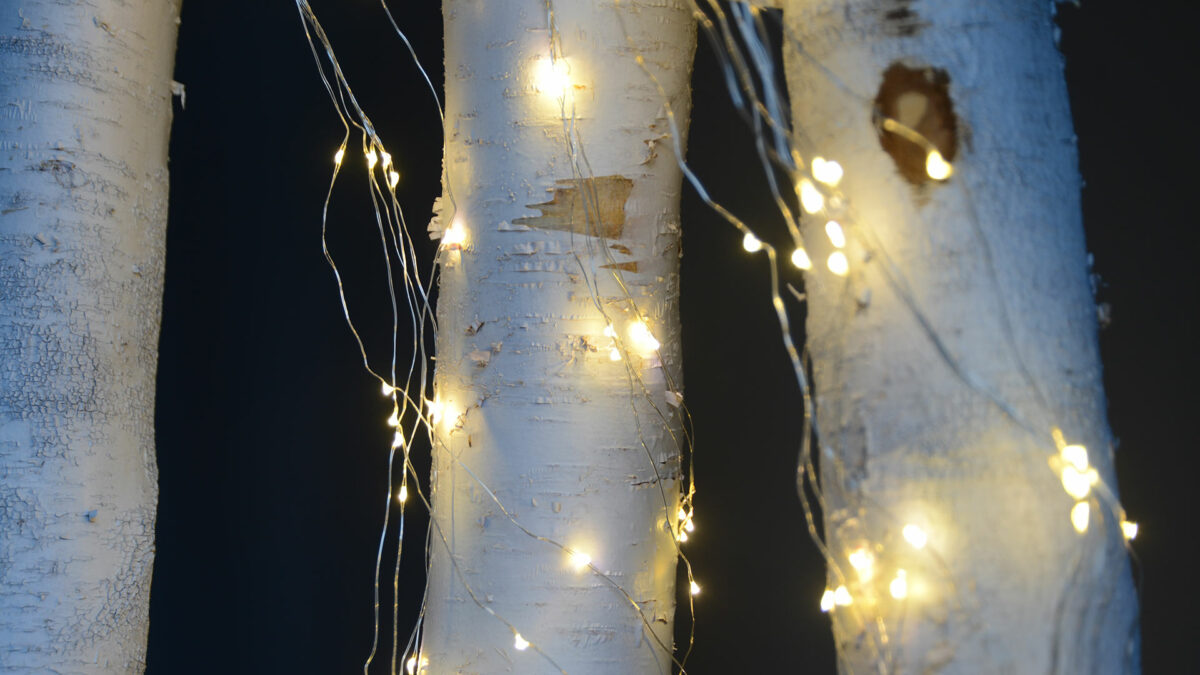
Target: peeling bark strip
[(599, 211), (918, 98), (83, 210)]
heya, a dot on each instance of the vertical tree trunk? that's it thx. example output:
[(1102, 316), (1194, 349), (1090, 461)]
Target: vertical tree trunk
[(578, 448), (947, 425), (87, 95)]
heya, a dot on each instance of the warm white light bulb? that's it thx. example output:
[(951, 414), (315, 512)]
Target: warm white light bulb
[(828, 172), (937, 167), (614, 354), (398, 439), (580, 559), (751, 243), (827, 600), (552, 77), (387, 389), (386, 158), (689, 525), (520, 643), (402, 495), (899, 585), (1129, 529), (1076, 456), (1079, 516), (372, 159), (695, 588), (393, 179), (393, 420), (800, 259), (683, 537), (454, 238), (836, 235), (838, 264), (863, 561), (609, 331), (1078, 483), (642, 339), (841, 597), (338, 156), (411, 665), (810, 197), (915, 536), (436, 409)]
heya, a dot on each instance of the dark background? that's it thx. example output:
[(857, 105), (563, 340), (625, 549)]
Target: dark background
[(271, 444)]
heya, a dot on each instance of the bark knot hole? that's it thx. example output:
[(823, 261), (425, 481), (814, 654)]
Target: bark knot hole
[(913, 115)]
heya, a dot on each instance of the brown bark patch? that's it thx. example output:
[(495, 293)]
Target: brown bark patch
[(899, 18), (624, 267), (919, 100), (594, 206)]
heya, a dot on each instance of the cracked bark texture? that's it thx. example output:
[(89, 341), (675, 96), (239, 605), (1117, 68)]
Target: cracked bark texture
[(86, 88), (564, 437), (994, 260)]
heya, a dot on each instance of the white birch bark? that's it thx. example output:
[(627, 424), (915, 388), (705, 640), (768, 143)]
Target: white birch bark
[(86, 89), (994, 259), (569, 441)]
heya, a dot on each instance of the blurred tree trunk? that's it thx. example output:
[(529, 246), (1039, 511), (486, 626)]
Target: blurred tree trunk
[(87, 93), (965, 331)]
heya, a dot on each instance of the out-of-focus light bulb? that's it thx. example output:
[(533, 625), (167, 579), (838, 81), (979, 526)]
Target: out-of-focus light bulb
[(695, 588), (841, 597), (642, 339), (1129, 529), (838, 264), (520, 643), (552, 77), (393, 179), (411, 665), (751, 243), (386, 159), (339, 156), (580, 559), (454, 238), (863, 561), (810, 197), (393, 420), (387, 389), (915, 536), (1076, 456), (402, 495), (800, 259), (937, 167), (899, 585), (828, 172), (1079, 516), (1078, 483), (827, 600), (372, 159), (683, 537), (609, 331), (614, 354), (836, 235), (398, 439)]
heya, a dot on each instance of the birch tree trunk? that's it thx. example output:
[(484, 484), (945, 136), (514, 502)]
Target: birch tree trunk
[(571, 225), (993, 261), (87, 94)]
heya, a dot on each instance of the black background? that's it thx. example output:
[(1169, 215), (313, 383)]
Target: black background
[(271, 440)]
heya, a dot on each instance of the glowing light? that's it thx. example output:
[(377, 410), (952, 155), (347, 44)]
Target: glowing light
[(899, 585), (838, 264), (614, 354), (609, 331), (394, 419), (580, 559), (1129, 529), (520, 643), (689, 525), (695, 588), (1076, 456), (1078, 483), (841, 597), (387, 389), (411, 665), (372, 159), (836, 235), (1079, 516), (915, 536), (338, 156), (828, 172), (552, 77), (393, 179), (936, 166), (454, 238), (398, 439), (681, 514), (437, 409), (827, 600), (800, 259), (643, 341), (810, 197), (862, 560), (387, 159), (683, 536), (402, 495), (751, 243)]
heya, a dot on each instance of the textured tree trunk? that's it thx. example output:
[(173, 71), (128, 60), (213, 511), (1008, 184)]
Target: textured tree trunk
[(964, 332), (539, 419), (83, 211)]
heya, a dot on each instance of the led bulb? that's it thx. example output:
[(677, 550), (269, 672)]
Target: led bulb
[(1079, 516), (836, 235), (689, 525), (387, 389), (372, 159), (387, 159), (411, 665), (520, 643), (393, 420), (899, 585), (402, 495), (751, 243), (1129, 529), (614, 354), (338, 156), (552, 77), (838, 264), (398, 440), (1076, 456), (863, 561), (454, 238), (609, 331), (580, 559), (810, 197), (695, 588), (936, 166), (642, 339), (841, 597), (827, 600), (683, 537), (829, 173), (915, 536), (800, 259), (1078, 483), (393, 179)]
